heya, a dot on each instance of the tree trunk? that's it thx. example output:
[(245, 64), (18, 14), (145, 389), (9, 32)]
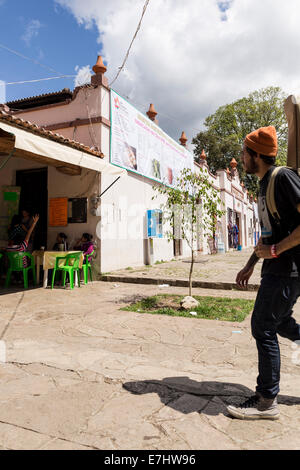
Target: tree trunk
[(191, 274)]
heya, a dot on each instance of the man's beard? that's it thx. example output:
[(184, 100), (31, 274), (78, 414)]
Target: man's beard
[(252, 167)]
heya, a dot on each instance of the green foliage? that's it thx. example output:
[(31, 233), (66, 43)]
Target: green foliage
[(213, 308), (148, 302), (192, 206), (227, 128), (191, 209)]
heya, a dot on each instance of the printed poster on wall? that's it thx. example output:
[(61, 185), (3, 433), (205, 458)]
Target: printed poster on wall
[(58, 212), (141, 146)]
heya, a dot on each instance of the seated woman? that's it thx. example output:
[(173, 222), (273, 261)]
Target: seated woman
[(86, 245), (61, 239), (27, 221), (19, 242), (27, 218), (16, 228)]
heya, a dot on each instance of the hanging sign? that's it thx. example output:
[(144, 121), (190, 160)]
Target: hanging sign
[(141, 146)]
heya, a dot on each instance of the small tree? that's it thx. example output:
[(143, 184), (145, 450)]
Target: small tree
[(190, 207), (225, 130)]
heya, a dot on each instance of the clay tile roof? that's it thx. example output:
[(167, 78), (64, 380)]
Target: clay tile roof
[(34, 129), (41, 100)]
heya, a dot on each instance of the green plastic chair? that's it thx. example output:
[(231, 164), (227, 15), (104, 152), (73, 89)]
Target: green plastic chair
[(16, 265), (86, 268), (71, 264)]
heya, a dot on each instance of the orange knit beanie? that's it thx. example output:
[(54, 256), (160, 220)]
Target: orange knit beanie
[(263, 141)]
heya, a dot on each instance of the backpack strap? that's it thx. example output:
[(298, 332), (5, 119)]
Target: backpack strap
[(270, 196)]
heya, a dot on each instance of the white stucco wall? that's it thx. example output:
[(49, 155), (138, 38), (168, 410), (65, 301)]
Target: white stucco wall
[(124, 224)]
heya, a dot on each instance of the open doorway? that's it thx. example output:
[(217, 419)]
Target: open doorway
[(34, 198), (177, 240)]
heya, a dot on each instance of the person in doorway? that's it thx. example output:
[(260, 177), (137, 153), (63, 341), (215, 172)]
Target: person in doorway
[(86, 245), (27, 221), (61, 239), (280, 283), (235, 230), (18, 242), (16, 228)]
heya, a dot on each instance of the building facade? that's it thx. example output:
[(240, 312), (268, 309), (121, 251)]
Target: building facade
[(116, 206)]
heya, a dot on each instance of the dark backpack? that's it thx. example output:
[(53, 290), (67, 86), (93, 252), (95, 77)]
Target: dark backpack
[(270, 196)]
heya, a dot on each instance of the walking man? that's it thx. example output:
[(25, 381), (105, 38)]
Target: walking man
[(279, 246)]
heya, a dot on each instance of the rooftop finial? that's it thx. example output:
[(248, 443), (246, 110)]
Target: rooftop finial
[(99, 67), (183, 139), (233, 163), (151, 113), (203, 155)]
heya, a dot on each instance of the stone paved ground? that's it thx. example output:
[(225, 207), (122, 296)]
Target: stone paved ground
[(81, 374), (211, 268)]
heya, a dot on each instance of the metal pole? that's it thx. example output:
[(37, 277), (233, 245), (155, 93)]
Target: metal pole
[(5, 161), (98, 197)]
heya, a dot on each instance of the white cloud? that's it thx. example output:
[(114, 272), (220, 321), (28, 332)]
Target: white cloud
[(2, 92), (32, 30), (191, 57), (83, 75)]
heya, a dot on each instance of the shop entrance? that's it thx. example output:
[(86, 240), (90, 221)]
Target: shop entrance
[(177, 241), (34, 198), (234, 233)]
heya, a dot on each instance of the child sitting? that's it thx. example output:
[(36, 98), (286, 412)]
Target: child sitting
[(61, 239), (86, 245)]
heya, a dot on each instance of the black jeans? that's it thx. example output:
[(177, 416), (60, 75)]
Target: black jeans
[(272, 314)]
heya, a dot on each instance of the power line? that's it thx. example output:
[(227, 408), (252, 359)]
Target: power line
[(39, 80), (135, 35), (160, 113), (29, 58)]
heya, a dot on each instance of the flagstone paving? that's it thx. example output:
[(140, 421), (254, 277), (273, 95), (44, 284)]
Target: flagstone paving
[(82, 374), (219, 268)]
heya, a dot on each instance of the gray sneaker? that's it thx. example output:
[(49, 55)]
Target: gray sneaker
[(256, 407)]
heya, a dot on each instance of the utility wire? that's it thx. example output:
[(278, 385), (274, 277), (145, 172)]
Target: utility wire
[(39, 80), (144, 106), (29, 58), (135, 35)]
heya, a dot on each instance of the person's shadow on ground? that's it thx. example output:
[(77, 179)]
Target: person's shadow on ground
[(171, 391)]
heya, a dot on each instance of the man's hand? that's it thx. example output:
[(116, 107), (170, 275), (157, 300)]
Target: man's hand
[(263, 251), (243, 277)]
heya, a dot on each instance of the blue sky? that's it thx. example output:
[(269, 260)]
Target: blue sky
[(187, 61), (44, 31)]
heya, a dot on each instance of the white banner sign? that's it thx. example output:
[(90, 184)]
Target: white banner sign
[(139, 145)]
